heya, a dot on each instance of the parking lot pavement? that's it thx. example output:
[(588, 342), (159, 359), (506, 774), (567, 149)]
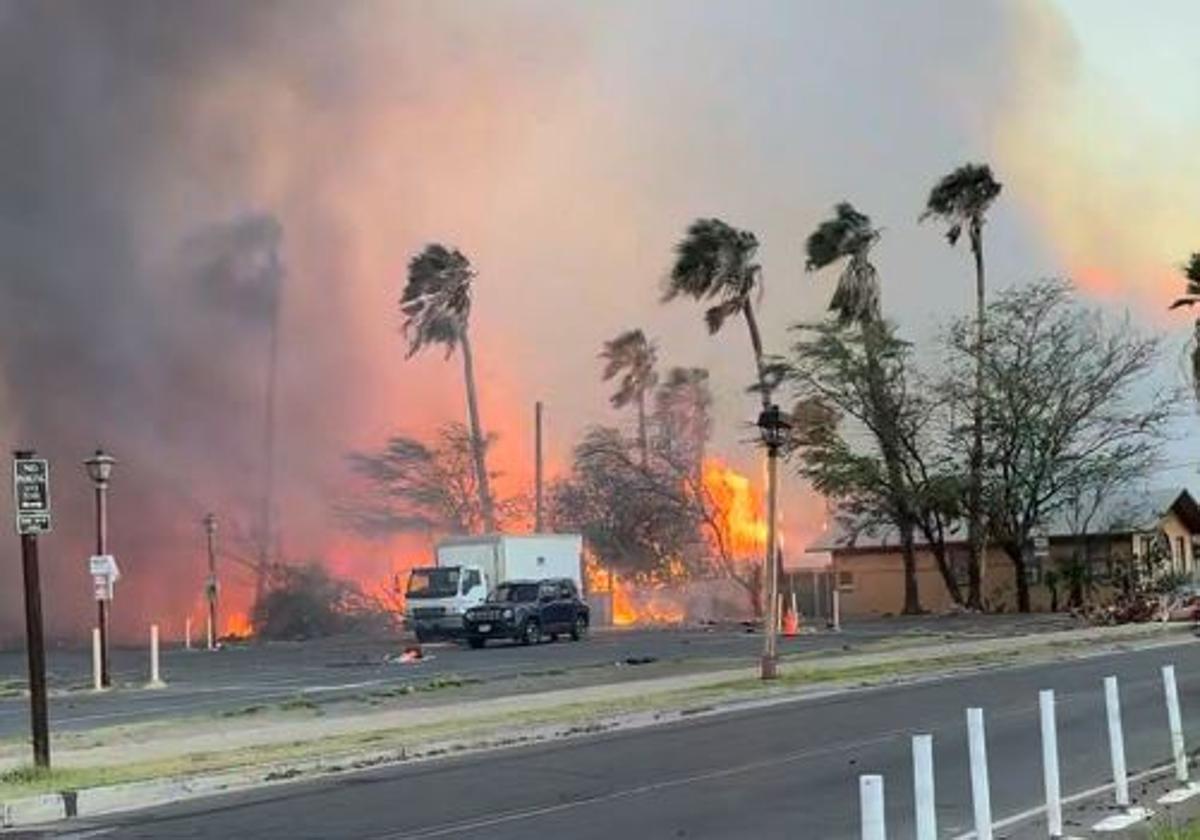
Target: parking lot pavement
[(203, 682)]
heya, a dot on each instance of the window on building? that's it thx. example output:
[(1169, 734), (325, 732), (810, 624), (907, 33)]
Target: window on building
[(1033, 571), (845, 581), (1180, 551)]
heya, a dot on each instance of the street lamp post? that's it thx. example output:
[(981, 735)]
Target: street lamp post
[(210, 529), (99, 469), (773, 427)]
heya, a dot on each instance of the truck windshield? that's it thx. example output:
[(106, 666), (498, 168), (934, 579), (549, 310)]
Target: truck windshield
[(515, 592), (433, 583)]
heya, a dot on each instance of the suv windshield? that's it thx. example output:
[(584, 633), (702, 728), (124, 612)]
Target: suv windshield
[(433, 583), (515, 592)]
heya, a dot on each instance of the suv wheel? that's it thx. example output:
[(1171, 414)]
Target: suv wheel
[(532, 634), (476, 642), (579, 629)]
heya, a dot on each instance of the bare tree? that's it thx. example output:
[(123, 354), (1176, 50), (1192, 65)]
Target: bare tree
[(1067, 406), (436, 304), (962, 199), (419, 487)]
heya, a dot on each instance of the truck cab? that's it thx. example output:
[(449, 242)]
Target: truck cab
[(437, 597)]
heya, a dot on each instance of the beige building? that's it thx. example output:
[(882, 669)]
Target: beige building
[(1095, 553)]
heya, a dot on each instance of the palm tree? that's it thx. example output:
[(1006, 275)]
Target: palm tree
[(1191, 273), (961, 199), (436, 305), (847, 238), (715, 262), (632, 356)]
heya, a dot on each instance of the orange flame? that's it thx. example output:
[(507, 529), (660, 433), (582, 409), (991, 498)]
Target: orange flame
[(740, 509), (237, 626)]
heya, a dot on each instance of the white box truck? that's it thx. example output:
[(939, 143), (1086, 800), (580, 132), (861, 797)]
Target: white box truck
[(468, 568)]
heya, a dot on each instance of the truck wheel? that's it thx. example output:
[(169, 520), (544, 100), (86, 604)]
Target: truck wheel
[(422, 636), (580, 628), (476, 643), (532, 634)]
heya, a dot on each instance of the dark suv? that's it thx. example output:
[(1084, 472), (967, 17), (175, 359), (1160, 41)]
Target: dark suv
[(527, 610)]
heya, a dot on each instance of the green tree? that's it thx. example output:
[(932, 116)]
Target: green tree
[(961, 199), (1191, 297), (1066, 409), (632, 357), (436, 304), (714, 262), (846, 239)]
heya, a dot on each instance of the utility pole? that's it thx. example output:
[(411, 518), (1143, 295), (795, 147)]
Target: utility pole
[(99, 469), (211, 588), (539, 509), (31, 485)]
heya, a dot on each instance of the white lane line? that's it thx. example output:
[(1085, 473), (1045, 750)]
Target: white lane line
[(449, 829), (1090, 793)]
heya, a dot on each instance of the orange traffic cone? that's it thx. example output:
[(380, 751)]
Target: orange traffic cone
[(791, 624)]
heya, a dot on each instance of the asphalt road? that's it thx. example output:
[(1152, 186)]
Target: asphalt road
[(787, 771), (202, 682)]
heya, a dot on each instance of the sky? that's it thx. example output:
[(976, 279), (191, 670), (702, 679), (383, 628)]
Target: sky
[(564, 147)]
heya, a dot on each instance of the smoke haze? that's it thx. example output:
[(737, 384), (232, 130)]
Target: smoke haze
[(173, 175)]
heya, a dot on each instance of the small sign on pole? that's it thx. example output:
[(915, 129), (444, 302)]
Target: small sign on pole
[(31, 492), (105, 573)]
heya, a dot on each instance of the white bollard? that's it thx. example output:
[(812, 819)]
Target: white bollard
[(980, 791), (1175, 722), (1116, 741), (870, 801), (209, 630), (923, 790), (97, 685), (1054, 818), (187, 633), (155, 681)]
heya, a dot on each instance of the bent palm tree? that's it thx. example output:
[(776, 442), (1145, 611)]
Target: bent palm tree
[(847, 237), (1191, 297), (961, 199), (436, 304), (715, 262), (632, 356)]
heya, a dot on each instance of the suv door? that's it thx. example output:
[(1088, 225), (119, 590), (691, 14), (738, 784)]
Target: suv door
[(549, 607), (568, 604)]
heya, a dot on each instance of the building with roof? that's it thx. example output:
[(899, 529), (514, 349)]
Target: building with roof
[(1091, 550)]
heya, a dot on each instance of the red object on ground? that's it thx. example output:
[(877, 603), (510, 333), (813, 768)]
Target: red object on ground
[(791, 624)]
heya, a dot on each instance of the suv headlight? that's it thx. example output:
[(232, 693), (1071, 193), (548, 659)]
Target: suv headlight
[(508, 613)]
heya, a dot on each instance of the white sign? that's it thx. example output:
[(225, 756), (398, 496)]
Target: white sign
[(31, 493), (105, 574), (102, 587)]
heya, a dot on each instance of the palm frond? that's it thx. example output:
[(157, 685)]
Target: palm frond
[(634, 357), (848, 235), (713, 260), (962, 196), (436, 301)]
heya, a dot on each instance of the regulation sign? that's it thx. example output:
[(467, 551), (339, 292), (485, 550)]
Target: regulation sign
[(31, 495), (105, 574)]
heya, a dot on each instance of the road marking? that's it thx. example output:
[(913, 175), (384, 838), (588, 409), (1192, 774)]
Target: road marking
[(1179, 795), (450, 829), (1120, 822), (1090, 793)]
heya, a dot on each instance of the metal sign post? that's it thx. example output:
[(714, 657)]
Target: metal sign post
[(31, 495)]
